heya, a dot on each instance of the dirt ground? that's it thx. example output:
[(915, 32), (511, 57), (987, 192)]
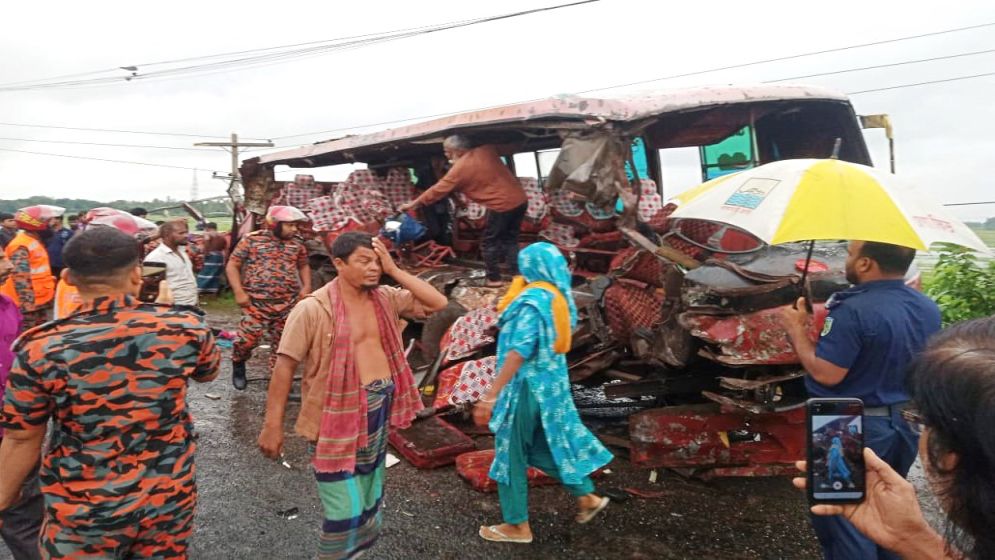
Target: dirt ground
[(253, 508)]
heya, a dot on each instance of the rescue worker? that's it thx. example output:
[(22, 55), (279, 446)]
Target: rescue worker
[(32, 286), (482, 177), (67, 298), (20, 524), (870, 337), (118, 473), (269, 273)]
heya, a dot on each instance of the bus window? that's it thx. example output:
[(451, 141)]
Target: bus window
[(639, 158), (525, 165), (680, 169), (733, 154), (545, 160)]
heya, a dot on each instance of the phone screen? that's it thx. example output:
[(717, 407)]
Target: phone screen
[(836, 450)]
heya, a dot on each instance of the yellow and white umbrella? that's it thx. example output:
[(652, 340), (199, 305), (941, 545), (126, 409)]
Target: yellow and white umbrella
[(812, 199)]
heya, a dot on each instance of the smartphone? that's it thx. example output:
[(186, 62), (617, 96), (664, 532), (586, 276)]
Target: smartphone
[(836, 472), (152, 274)]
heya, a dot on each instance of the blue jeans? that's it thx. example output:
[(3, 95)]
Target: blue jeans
[(893, 441)]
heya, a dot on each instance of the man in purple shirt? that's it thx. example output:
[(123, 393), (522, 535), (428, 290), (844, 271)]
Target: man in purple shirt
[(20, 523)]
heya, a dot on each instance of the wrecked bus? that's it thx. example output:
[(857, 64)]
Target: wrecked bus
[(679, 352)]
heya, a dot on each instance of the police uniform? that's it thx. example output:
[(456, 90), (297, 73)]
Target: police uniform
[(270, 269), (118, 477), (873, 331)]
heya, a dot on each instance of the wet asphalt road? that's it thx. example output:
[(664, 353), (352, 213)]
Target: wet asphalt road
[(244, 500), (433, 514)]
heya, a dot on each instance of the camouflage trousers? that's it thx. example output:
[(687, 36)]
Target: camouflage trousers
[(261, 317)]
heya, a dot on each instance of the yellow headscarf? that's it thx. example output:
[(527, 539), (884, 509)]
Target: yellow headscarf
[(561, 311)]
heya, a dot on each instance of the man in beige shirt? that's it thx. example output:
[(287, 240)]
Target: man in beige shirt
[(356, 384), (482, 177)]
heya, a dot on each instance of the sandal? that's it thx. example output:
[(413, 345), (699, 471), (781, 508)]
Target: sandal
[(589, 514), (493, 533)]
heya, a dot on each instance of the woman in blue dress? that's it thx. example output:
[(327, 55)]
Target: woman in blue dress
[(837, 464), (529, 407)]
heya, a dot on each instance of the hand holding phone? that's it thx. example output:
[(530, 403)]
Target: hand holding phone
[(836, 470)]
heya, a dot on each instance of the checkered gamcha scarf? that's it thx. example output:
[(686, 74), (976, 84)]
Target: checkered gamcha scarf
[(344, 428)]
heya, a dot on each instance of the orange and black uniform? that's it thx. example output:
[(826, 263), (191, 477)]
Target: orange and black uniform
[(272, 280), (118, 477), (31, 286)]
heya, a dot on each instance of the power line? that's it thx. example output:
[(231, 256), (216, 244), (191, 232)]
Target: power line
[(208, 57), (717, 69), (150, 133), (382, 123), (109, 145), (795, 56), (108, 160), (277, 57), (903, 86), (878, 66), (970, 203)]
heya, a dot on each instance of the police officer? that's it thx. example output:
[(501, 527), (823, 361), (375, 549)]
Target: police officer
[(32, 285), (871, 334), (268, 272)]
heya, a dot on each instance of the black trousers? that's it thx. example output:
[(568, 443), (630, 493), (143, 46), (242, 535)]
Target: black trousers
[(500, 242), (22, 521)]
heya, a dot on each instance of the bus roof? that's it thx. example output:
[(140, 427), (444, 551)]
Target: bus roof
[(562, 112)]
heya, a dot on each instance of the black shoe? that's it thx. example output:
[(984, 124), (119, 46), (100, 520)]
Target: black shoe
[(238, 375)]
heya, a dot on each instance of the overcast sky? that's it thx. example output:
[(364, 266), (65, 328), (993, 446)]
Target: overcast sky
[(944, 131)]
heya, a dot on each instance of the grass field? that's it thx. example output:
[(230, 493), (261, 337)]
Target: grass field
[(224, 224), (987, 235)]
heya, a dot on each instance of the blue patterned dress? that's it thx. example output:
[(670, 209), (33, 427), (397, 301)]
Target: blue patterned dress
[(527, 327)]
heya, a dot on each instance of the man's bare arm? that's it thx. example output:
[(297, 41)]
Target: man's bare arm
[(305, 271), (19, 453), (430, 298), (271, 438)]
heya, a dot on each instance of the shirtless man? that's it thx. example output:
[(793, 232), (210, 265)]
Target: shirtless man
[(356, 382)]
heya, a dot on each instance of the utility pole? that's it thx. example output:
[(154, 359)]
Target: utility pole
[(234, 145), (235, 179), (194, 192)]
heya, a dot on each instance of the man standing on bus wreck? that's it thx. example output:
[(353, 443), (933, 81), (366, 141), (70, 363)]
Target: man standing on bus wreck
[(481, 176)]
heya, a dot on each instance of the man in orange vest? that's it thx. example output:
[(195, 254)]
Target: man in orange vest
[(32, 286)]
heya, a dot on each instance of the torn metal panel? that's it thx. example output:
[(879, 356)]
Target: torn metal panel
[(749, 339), (698, 436), (591, 166), (739, 384)]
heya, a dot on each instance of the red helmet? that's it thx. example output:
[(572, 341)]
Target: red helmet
[(119, 219), (35, 218), (277, 214)]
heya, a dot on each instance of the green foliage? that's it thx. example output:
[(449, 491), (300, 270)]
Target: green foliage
[(962, 285)]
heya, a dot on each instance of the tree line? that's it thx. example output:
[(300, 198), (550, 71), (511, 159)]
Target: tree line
[(75, 205)]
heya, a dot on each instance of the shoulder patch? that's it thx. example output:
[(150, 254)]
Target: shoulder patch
[(827, 327)]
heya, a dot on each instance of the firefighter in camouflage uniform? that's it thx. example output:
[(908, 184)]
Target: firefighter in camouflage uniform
[(32, 286), (112, 376), (269, 273)]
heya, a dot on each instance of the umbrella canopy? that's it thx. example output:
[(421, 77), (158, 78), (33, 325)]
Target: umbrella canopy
[(810, 199)]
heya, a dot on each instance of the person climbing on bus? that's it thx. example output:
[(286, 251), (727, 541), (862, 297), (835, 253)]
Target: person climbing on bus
[(482, 177)]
